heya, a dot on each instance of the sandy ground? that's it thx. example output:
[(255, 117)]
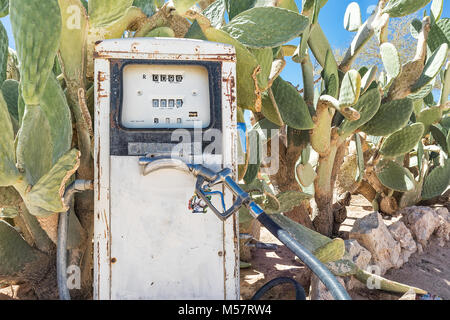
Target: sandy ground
[(429, 270)]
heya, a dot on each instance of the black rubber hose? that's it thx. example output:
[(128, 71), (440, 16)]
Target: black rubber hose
[(329, 280), (299, 291)]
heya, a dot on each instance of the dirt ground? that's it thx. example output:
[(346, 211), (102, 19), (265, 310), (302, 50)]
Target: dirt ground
[(429, 270)]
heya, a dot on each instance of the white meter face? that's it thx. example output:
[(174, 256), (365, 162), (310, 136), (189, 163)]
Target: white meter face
[(165, 97)]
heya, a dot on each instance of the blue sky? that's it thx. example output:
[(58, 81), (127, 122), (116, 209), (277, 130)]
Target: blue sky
[(331, 20)]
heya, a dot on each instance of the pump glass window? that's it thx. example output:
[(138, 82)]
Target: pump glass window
[(165, 97)]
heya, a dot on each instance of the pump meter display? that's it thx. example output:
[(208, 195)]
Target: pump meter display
[(165, 96)]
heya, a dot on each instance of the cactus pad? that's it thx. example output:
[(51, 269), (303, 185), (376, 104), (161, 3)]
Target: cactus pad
[(4, 53), (246, 66), (34, 144), (391, 59), (432, 67), (8, 171), (147, 6), (36, 26), (368, 78), (265, 58), (400, 8), (215, 13), (293, 108), (402, 141), (10, 90), (437, 181), (394, 176), (306, 174), (266, 26), (331, 75), (161, 32), (391, 117), (104, 12), (4, 8), (49, 190), (440, 137), (350, 88), (367, 106), (439, 34), (56, 110), (289, 200), (352, 17), (429, 116)]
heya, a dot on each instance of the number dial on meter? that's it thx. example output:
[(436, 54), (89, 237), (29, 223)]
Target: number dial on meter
[(165, 97)]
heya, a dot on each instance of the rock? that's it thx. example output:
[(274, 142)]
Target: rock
[(373, 234), (443, 231), (359, 256), (402, 234), (357, 253), (422, 221)]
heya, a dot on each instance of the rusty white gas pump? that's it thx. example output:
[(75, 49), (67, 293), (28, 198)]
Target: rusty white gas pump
[(164, 109), (166, 159)]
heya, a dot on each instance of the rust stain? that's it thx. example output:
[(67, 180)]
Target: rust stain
[(101, 78), (105, 217), (98, 168), (230, 83)]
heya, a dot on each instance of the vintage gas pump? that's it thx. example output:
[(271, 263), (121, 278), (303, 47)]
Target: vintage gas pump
[(173, 99)]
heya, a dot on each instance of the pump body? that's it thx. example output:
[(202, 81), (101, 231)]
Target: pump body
[(152, 240)]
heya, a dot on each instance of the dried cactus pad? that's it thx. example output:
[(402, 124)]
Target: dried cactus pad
[(391, 117), (402, 141), (266, 26), (8, 171), (400, 8), (49, 190), (36, 26), (394, 176)]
